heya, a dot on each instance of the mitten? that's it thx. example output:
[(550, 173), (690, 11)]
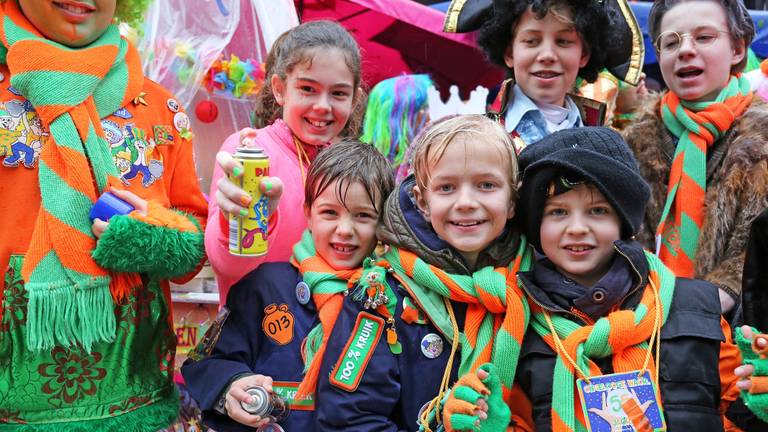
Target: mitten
[(756, 398), (459, 411)]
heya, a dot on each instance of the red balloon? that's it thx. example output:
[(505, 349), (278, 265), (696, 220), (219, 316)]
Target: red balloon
[(206, 111)]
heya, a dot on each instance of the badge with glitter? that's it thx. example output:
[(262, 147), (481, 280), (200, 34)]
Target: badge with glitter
[(623, 402), (248, 234)]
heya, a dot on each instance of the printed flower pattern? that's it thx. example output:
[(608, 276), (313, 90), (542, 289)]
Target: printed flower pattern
[(72, 376), (15, 297)]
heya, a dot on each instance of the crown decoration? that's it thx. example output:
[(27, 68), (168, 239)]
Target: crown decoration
[(474, 105)]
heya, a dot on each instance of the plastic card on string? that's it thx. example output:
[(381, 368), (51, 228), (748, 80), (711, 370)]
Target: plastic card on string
[(623, 402)]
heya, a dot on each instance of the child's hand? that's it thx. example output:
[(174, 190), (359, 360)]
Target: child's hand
[(237, 394), (234, 200), (476, 403), (139, 204), (745, 371)]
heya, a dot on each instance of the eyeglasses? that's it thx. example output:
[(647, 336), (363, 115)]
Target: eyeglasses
[(670, 41)]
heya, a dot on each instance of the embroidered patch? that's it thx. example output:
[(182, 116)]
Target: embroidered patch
[(123, 114), (14, 91), (163, 134), (287, 391), (22, 134), (621, 401), (355, 356), (211, 336), (411, 313), (140, 158), (278, 323)]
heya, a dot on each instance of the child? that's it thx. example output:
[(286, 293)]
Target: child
[(262, 342), (447, 226), (310, 99), (701, 49), (85, 335), (544, 45), (397, 111), (602, 305)]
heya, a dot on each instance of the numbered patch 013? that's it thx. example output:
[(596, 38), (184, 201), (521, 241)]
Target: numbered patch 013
[(355, 356), (278, 323)]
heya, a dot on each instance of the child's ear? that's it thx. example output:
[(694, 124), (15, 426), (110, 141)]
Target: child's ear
[(278, 89), (511, 211), (739, 51), (421, 201), (307, 213), (585, 55), (508, 57)]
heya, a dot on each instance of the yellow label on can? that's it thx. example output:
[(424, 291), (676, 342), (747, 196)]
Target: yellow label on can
[(248, 234)]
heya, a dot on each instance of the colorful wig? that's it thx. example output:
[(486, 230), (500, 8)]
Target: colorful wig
[(131, 11), (396, 113)]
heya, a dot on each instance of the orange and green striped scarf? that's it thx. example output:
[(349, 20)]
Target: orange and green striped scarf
[(697, 125), (622, 335), (497, 312), (327, 286), (70, 295)]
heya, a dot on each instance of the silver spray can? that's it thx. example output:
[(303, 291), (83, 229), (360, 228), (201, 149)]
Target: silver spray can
[(266, 405)]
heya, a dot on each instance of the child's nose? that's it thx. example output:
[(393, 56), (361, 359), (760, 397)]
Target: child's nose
[(344, 226), (466, 198), (546, 52), (577, 225), (323, 103)]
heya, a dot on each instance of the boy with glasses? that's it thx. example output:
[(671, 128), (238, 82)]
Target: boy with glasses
[(702, 145)]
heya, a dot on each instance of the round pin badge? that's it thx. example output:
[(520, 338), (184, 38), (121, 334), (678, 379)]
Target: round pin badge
[(302, 293), (181, 121), (432, 345), (2, 77), (173, 105)]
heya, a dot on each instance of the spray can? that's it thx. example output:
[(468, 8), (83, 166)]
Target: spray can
[(248, 234), (266, 405)]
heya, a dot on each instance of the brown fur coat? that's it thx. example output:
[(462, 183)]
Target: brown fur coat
[(737, 187)]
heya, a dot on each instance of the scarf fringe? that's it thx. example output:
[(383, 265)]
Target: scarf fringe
[(70, 315)]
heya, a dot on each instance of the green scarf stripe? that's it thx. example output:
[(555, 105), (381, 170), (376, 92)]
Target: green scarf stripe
[(73, 212), (686, 122), (688, 228), (100, 159), (675, 127), (75, 87), (695, 157)]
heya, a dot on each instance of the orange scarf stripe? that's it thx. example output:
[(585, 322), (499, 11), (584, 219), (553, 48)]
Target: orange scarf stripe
[(50, 59), (60, 162), (77, 253)]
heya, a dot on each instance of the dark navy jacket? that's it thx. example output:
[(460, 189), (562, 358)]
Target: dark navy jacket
[(246, 347), (689, 378)]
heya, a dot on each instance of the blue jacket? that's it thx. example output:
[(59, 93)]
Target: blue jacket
[(394, 387), (260, 336)]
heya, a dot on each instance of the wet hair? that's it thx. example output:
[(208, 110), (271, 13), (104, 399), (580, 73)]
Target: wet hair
[(299, 46), (395, 114), (740, 25), (591, 20), (430, 145), (347, 162)]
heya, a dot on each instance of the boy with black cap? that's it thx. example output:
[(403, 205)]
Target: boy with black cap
[(615, 340)]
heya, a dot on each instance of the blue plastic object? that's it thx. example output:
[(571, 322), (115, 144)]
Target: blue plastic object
[(109, 205)]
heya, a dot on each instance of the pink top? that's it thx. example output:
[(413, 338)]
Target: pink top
[(286, 226)]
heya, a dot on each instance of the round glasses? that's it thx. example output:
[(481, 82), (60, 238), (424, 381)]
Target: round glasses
[(671, 41)]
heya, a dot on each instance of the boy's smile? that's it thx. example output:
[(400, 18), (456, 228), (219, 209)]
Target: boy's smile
[(578, 230), (698, 69), (469, 195), (546, 55), (73, 23), (344, 233)]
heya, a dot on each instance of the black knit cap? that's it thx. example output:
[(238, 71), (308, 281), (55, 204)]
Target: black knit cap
[(597, 155)]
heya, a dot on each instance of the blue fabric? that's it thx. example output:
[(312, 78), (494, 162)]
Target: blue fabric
[(244, 348), (524, 117), (393, 387)]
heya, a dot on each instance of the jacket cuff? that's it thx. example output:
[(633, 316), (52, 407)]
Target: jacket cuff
[(164, 243)]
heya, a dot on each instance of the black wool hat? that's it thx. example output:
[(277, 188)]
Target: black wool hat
[(597, 155)]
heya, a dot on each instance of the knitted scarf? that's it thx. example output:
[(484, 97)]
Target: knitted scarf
[(622, 334), (71, 89), (327, 286), (697, 125), (497, 312)]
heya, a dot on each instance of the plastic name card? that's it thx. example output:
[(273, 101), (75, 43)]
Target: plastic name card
[(621, 402)]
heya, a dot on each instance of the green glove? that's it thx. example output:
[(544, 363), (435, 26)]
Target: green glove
[(756, 398), (459, 413)]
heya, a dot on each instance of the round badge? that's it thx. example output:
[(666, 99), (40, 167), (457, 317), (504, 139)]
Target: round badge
[(173, 105), (302, 293), (2, 77), (181, 121), (431, 345), (272, 427)]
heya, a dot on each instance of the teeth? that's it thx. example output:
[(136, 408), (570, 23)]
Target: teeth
[(73, 8), (579, 248), (344, 248), (466, 224), (318, 123)]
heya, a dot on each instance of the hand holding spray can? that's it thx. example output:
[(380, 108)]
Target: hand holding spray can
[(248, 234), (266, 405)]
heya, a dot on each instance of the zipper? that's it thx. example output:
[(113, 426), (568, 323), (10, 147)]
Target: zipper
[(528, 291), (637, 272)]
